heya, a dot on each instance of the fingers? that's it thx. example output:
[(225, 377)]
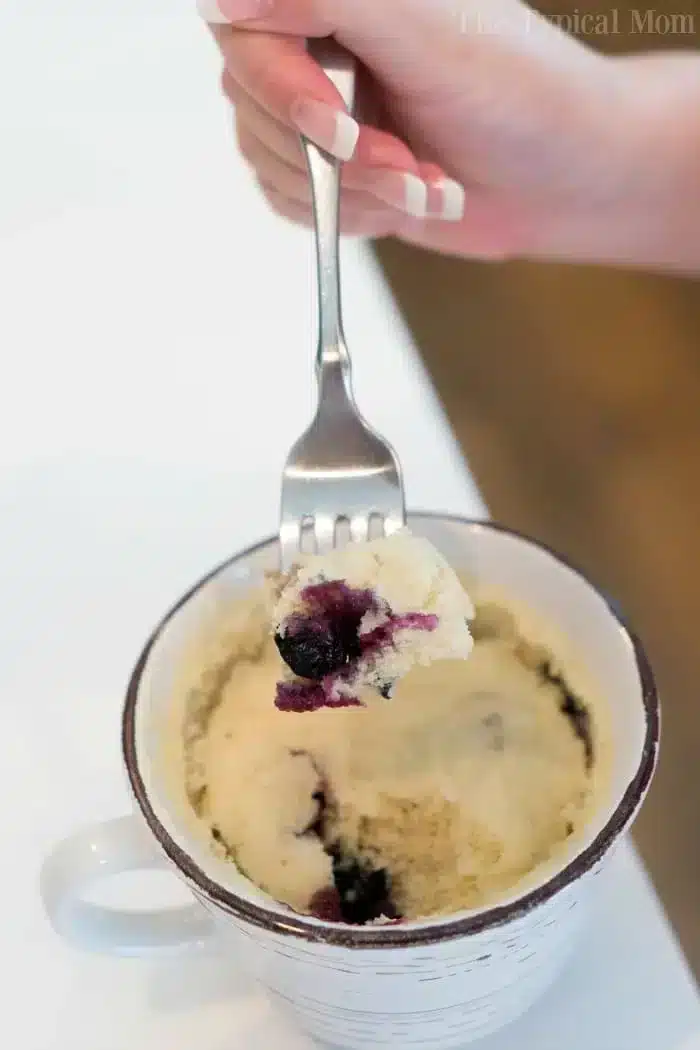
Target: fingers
[(374, 148), (278, 162), (277, 137), (489, 230), (282, 79), (363, 223), (382, 169), (278, 74), (290, 180), (446, 198), (279, 93)]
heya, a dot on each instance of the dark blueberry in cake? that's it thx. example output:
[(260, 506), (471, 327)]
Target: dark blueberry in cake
[(342, 700), (544, 670), (577, 713), (311, 649), (302, 697), (360, 892), (317, 826), (335, 600), (221, 841), (364, 891), (386, 689), (337, 610), (325, 638), (573, 708), (325, 905), (326, 646)]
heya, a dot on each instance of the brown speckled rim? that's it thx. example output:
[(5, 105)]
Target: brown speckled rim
[(400, 936)]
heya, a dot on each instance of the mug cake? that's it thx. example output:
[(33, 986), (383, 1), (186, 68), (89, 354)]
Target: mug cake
[(426, 749)]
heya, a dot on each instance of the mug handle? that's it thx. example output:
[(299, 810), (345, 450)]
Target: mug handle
[(105, 849)]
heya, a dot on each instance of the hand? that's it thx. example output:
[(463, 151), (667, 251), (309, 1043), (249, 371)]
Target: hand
[(487, 133)]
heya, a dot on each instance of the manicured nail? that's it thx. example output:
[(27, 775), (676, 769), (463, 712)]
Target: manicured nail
[(451, 200), (223, 12), (400, 189), (331, 129)]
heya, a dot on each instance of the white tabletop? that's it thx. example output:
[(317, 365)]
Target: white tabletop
[(155, 335)]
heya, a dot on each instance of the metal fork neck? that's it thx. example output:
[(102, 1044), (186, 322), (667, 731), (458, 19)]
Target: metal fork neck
[(324, 174), (325, 186)]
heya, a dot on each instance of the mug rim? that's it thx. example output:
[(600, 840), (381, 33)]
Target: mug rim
[(397, 936)]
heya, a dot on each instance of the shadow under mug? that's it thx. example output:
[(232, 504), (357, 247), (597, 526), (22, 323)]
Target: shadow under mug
[(431, 985)]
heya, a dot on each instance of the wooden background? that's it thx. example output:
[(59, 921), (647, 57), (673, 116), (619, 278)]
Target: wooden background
[(575, 394)]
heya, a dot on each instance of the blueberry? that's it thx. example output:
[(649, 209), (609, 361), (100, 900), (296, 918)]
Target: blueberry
[(311, 649), (317, 826), (300, 696), (580, 720), (325, 905), (572, 708), (364, 891)]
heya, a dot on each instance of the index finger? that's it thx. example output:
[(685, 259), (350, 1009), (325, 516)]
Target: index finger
[(277, 72)]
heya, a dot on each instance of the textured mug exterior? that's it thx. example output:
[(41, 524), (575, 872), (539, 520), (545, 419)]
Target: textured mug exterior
[(428, 997)]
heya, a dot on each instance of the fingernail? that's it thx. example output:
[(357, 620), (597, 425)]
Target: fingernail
[(331, 129), (400, 189), (223, 12), (450, 200)]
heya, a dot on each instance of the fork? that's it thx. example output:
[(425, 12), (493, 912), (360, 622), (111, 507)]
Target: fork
[(342, 481)]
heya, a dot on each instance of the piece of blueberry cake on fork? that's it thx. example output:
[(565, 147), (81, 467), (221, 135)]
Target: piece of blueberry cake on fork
[(355, 620)]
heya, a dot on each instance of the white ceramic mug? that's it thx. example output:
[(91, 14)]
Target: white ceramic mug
[(429, 985)]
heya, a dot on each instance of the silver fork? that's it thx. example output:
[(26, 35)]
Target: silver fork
[(341, 481)]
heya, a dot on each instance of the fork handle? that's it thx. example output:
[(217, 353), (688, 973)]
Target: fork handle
[(324, 173)]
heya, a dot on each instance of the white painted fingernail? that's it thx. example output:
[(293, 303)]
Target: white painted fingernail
[(452, 199), (416, 196), (225, 12), (332, 129), (400, 189), (347, 132)]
